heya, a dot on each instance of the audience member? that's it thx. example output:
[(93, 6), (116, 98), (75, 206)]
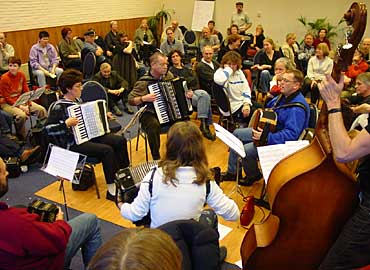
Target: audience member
[(140, 96), (358, 66), (177, 33), (181, 178), (144, 41), (212, 30), (199, 98), (321, 38), (292, 120), (6, 51), (171, 43), (240, 18), (99, 40), (233, 44), (69, 51), (258, 38), (234, 83), (306, 51), (91, 46), (351, 249), (288, 49), (362, 88), (110, 149), (264, 62), (318, 66), (208, 39), (144, 249), (44, 59), (205, 70), (28, 243), (125, 60), (114, 85), (111, 39), (12, 85), (365, 48)]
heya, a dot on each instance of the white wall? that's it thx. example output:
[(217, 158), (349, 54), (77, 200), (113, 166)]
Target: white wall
[(29, 14), (277, 17)]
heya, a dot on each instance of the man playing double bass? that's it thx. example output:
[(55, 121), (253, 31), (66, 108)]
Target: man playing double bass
[(352, 248), (292, 119)]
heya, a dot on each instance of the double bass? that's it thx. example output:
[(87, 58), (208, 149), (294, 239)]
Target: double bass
[(311, 196)]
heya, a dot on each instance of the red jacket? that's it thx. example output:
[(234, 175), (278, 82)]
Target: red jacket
[(27, 243), (11, 87), (355, 70)]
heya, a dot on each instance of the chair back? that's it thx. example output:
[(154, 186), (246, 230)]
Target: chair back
[(92, 91), (314, 115), (220, 37), (88, 67), (221, 99)]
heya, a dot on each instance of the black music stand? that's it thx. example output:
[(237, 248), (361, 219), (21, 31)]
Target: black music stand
[(26, 98), (62, 164), (237, 146)]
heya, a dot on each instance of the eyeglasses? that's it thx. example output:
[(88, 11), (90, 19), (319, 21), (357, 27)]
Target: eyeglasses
[(286, 80)]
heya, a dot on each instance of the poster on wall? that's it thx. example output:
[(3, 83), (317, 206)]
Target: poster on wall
[(202, 13)]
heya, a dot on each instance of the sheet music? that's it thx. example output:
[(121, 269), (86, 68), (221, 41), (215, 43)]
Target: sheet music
[(62, 163), (223, 231), (29, 96), (230, 140), (271, 155)]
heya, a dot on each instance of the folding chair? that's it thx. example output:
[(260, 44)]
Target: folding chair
[(223, 104), (88, 66)]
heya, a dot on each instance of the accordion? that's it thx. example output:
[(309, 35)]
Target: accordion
[(92, 120), (47, 211), (171, 104)]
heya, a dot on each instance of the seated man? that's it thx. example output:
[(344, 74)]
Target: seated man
[(115, 86), (6, 51), (12, 85), (292, 120), (176, 32), (140, 96), (305, 52), (208, 39), (171, 43), (206, 68), (91, 46), (31, 244), (43, 60)]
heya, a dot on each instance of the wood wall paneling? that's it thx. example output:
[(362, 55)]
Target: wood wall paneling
[(24, 39)]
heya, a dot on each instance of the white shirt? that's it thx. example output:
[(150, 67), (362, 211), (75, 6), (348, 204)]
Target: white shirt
[(183, 201)]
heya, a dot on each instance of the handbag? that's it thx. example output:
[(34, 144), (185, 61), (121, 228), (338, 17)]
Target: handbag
[(247, 213), (86, 179)]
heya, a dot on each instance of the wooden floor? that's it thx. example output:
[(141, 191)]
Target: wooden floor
[(86, 201)]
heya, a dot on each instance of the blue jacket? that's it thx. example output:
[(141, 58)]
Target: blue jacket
[(291, 120)]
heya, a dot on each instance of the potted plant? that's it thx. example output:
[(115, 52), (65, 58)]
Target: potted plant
[(157, 21)]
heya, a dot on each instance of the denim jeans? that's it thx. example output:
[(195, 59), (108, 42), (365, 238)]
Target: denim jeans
[(352, 248), (202, 100), (249, 163), (85, 235), (265, 79), (41, 79)]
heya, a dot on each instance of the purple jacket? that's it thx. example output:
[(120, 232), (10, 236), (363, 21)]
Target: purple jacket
[(37, 59)]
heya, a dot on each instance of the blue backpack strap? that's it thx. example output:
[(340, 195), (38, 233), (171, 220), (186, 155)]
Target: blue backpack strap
[(208, 188), (151, 181)]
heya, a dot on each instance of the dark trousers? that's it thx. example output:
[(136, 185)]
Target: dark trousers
[(113, 100), (239, 117), (150, 124), (306, 87), (110, 149)]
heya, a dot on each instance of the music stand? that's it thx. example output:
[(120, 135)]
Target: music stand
[(237, 146), (132, 122), (62, 164), (26, 98)]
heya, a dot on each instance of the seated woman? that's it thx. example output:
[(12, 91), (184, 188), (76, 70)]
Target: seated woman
[(179, 184), (199, 98), (144, 41), (69, 51), (289, 48), (257, 42), (264, 62), (138, 249), (111, 149), (232, 78), (318, 66), (321, 38)]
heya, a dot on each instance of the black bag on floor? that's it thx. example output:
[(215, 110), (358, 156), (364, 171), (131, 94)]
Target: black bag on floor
[(13, 166), (86, 180)]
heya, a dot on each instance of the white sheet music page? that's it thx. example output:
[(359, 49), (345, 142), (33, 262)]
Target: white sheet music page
[(62, 163), (271, 155), (230, 140)]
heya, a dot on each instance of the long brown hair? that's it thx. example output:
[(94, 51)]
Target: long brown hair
[(185, 147), (132, 249)]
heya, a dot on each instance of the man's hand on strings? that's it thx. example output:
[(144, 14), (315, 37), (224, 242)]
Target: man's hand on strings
[(256, 134)]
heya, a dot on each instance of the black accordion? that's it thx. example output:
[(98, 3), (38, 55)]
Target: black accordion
[(171, 104), (47, 211)]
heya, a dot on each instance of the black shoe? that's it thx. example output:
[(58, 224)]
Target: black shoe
[(204, 128), (116, 111), (226, 176), (249, 180), (223, 253), (110, 197)]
